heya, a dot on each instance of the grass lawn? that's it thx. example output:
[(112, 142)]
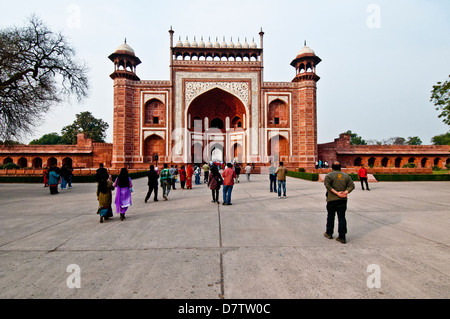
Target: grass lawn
[(441, 172)]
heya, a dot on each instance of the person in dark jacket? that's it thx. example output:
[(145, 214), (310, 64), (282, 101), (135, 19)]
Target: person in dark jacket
[(152, 184), (214, 182), (64, 176), (101, 173)]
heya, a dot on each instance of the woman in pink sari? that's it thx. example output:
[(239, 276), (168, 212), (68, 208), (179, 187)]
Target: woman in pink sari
[(124, 188)]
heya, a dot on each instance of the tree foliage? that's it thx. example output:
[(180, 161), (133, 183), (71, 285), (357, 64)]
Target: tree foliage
[(85, 122), (440, 96), (37, 69), (48, 139), (443, 139), (355, 139), (414, 140)]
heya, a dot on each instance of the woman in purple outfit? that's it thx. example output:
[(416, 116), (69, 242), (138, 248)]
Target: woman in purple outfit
[(124, 187)]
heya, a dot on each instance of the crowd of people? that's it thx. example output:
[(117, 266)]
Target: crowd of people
[(337, 183), (57, 179)]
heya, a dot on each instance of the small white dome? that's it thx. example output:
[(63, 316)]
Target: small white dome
[(125, 47), (179, 43), (217, 44), (246, 46), (239, 45), (306, 49), (194, 44), (201, 44), (209, 43), (231, 44), (186, 43), (253, 45)]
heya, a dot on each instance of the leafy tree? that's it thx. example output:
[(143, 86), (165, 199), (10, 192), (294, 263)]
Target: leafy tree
[(48, 139), (398, 141), (37, 69), (355, 139), (394, 141), (85, 122), (440, 96), (415, 140), (443, 139)]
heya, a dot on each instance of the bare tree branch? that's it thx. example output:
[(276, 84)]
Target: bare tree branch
[(37, 69)]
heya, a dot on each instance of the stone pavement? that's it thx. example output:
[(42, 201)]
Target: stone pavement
[(261, 247)]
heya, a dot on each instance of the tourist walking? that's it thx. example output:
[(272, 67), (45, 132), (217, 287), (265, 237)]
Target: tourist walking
[(281, 173), (64, 176), (248, 171), (197, 172), (152, 184), (237, 171), (124, 188), (228, 177), (104, 197), (206, 169), (173, 176), (69, 176), (100, 172), (46, 176), (53, 180), (272, 178), (189, 173), (338, 185), (362, 174), (214, 183), (182, 174), (166, 181)]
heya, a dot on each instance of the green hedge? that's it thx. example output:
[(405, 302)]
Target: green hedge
[(307, 176), (76, 179), (381, 177), (411, 178)]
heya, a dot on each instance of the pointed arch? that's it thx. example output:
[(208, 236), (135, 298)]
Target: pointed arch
[(154, 145), (278, 114)]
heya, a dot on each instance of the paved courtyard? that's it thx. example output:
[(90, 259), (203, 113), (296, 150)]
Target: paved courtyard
[(261, 247)]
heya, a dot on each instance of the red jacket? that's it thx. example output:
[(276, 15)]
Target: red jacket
[(362, 173), (228, 176)]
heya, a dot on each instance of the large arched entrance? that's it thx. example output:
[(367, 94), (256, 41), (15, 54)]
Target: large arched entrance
[(153, 145), (278, 148), (217, 153), (212, 118)]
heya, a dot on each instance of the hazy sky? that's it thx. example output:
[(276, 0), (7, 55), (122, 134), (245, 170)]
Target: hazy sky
[(380, 59)]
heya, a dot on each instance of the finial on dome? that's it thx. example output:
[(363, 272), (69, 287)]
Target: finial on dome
[(125, 40), (305, 43)]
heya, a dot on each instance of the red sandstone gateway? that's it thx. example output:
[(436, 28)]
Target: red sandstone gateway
[(217, 107)]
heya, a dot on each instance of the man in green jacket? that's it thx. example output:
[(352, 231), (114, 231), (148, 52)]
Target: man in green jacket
[(166, 181), (338, 185)]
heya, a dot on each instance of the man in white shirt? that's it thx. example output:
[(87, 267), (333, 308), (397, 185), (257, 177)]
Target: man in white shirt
[(248, 170)]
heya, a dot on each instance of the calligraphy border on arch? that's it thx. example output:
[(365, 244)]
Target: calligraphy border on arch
[(195, 89), (216, 77)]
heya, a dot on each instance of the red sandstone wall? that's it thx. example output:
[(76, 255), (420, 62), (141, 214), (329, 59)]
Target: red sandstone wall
[(83, 155), (304, 127), (424, 156)]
